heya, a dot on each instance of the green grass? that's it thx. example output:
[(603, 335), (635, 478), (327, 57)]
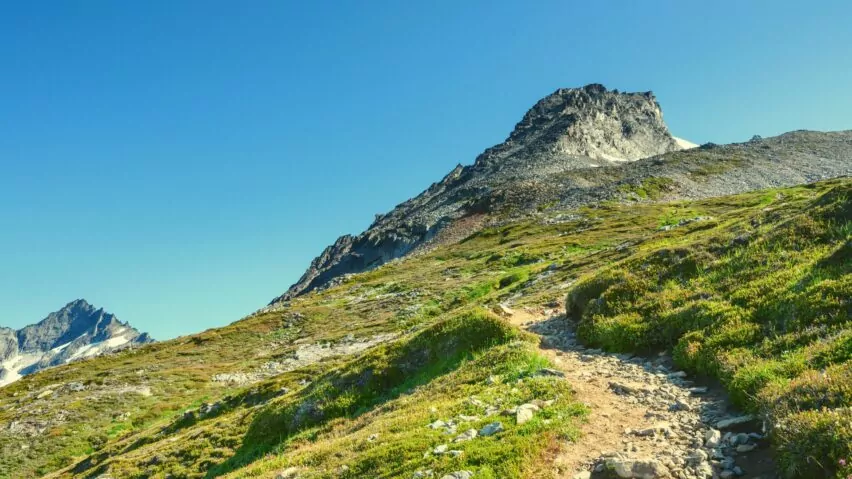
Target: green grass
[(758, 297), (403, 438), (650, 188), (760, 301), (394, 391)]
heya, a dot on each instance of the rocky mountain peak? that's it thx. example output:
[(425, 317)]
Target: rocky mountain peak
[(75, 331), (591, 122), (72, 320), (572, 128), (574, 147)]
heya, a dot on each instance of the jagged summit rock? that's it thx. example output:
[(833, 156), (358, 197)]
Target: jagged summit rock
[(589, 123), (574, 147), (76, 331)]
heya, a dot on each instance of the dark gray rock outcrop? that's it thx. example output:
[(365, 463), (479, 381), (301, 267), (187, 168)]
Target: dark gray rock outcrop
[(8, 343), (574, 147)]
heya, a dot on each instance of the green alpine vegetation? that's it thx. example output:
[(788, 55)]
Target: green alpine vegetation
[(372, 376), (759, 299)]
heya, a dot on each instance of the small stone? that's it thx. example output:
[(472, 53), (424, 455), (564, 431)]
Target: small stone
[(423, 474), (440, 449), (662, 428), (704, 470), (740, 438), (466, 436), (746, 447), (75, 386), (583, 475), (373, 437), (551, 372), (712, 438), (734, 421), (697, 457), (643, 469), (491, 429), (289, 473), (458, 475), (525, 413), (455, 453), (44, 394), (438, 424)]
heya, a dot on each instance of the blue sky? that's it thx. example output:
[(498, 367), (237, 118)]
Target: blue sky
[(180, 163)]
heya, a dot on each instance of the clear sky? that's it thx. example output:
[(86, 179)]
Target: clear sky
[(181, 162)]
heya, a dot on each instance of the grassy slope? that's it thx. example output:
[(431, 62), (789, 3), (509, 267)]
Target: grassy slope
[(760, 299), (771, 264)]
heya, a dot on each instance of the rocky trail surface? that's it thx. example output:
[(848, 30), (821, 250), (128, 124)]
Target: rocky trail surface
[(647, 419)]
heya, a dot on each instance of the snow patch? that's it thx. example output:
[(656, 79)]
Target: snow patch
[(97, 348), (684, 144), (59, 349), (11, 367)]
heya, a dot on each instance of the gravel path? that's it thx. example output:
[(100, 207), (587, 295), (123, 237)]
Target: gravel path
[(647, 419)]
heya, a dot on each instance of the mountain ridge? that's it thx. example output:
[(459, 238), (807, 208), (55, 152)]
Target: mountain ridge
[(576, 146), (75, 331)]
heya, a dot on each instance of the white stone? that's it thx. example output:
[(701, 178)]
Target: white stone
[(458, 475), (525, 413), (712, 438), (289, 473), (734, 421)]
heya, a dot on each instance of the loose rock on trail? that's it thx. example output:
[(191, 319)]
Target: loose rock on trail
[(647, 419)]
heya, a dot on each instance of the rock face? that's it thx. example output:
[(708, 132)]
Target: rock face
[(574, 147), (586, 126), (76, 331)]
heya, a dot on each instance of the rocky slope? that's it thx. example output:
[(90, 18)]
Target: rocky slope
[(575, 147), (76, 331)]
